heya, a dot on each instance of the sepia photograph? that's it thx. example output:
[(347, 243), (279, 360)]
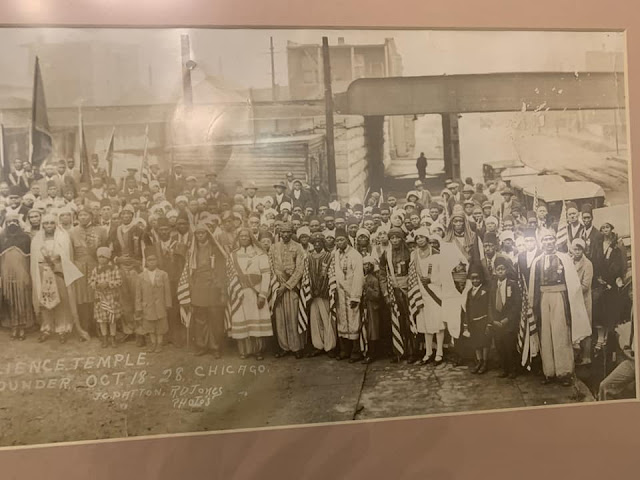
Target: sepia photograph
[(217, 229)]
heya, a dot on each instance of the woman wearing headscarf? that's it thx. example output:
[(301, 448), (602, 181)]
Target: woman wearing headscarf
[(85, 239), (363, 242), (15, 247), (34, 220), (53, 273), (250, 313), (584, 268), (610, 277), (460, 234), (394, 282)]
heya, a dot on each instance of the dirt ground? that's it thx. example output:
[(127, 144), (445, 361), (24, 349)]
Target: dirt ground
[(175, 391)]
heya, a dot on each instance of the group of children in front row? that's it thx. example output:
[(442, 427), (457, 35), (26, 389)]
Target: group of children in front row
[(492, 312), (152, 298)]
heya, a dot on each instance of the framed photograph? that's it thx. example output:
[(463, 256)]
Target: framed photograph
[(242, 231)]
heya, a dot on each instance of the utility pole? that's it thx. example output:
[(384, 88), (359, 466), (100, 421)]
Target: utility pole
[(274, 87), (616, 110), (187, 89), (328, 105)]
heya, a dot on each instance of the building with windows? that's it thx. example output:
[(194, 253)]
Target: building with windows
[(350, 62)]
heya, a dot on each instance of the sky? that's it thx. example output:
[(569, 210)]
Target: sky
[(242, 55)]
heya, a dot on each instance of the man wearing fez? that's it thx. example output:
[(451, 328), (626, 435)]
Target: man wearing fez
[(127, 248), (525, 259), (288, 264), (559, 310), (592, 238), (207, 284), (323, 329), (164, 243), (352, 229), (86, 238), (491, 254), (15, 277), (349, 273), (505, 305), (17, 177), (574, 227), (394, 277), (14, 206)]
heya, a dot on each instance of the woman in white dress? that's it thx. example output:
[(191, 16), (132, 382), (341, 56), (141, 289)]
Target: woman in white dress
[(429, 319), (251, 322)]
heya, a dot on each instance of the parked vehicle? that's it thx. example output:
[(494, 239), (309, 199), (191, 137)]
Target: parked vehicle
[(492, 170)]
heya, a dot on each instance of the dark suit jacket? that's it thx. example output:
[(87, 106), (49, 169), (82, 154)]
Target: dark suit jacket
[(303, 201), (512, 305), (276, 204), (153, 298), (485, 268), (521, 265), (593, 252), (319, 196), (477, 306), (576, 234), (175, 186)]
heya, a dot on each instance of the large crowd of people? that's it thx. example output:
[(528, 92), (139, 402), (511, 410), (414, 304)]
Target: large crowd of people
[(179, 259)]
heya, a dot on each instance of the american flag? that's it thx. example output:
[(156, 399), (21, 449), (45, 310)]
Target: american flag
[(562, 236), (274, 285), (305, 299), (333, 291), (528, 330), (364, 332), (234, 291), (108, 307), (145, 172), (184, 296), (398, 344), (415, 297)]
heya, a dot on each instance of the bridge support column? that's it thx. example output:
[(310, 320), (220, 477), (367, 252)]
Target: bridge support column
[(451, 145), (374, 142)]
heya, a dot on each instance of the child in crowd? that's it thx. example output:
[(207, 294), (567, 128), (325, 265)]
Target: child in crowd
[(371, 302), (476, 319), (153, 299), (105, 280)]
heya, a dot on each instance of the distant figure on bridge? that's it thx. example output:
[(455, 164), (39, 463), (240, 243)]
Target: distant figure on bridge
[(421, 165)]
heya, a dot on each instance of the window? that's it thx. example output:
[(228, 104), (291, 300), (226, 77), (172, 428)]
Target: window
[(375, 69), (309, 67), (358, 66)]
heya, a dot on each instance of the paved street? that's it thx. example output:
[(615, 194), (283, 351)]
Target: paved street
[(278, 392)]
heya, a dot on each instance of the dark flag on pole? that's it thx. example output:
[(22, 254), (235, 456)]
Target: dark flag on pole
[(85, 169), (41, 141), (109, 155)]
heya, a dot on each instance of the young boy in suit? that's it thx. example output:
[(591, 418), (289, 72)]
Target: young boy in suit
[(153, 299), (505, 303), (476, 318)]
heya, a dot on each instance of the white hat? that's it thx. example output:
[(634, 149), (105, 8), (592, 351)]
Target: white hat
[(506, 234)]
